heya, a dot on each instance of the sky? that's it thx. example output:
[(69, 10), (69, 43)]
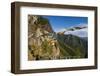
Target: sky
[(59, 23)]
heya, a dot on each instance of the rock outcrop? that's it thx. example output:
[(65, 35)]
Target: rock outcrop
[(41, 43)]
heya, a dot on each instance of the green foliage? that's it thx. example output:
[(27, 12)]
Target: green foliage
[(66, 50), (73, 46), (46, 48), (42, 21)]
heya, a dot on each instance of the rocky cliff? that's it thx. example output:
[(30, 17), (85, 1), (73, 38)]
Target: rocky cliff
[(41, 43)]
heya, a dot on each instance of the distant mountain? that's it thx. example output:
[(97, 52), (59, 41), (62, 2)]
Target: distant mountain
[(77, 45), (84, 38)]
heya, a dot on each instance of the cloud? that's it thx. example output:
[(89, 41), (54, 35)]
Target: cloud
[(80, 33)]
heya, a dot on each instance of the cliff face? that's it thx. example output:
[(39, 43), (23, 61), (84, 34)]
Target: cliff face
[(45, 44), (35, 22), (41, 43)]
